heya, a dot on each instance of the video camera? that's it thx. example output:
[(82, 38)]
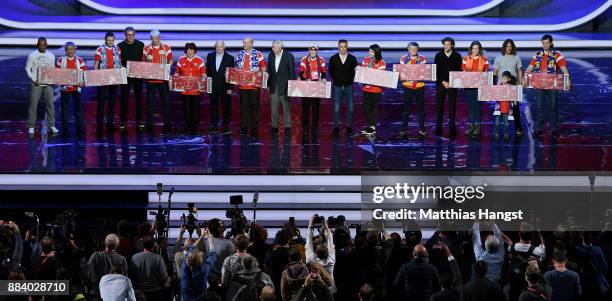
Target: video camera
[(336, 222), (190, 221), (239, 221)]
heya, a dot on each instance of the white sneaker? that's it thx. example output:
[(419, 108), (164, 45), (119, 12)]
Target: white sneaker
[(53, 130), (31, 131)]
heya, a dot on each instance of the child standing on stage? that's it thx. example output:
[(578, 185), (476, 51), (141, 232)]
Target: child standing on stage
[(502, 108)]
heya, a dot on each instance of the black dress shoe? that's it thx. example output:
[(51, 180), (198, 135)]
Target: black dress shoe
[(287, 130), (274, 130)]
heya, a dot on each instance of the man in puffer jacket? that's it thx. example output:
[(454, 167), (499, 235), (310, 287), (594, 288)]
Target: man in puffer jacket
[(293, 276)]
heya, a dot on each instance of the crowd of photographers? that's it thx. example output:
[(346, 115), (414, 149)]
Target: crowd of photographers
[(328, 264)]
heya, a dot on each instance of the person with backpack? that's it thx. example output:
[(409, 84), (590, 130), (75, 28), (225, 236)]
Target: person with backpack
[(293, 276), (248, 282), (194, 271), (520, 254), (537, 288), (101, 262)]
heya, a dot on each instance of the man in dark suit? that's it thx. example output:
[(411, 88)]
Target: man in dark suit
[(281, 65), (216, 64)]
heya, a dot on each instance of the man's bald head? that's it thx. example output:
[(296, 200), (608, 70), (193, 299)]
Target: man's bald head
[(420, 251), (267, 293)]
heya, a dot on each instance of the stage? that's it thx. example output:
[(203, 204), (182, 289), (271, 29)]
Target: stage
[(585, 132)]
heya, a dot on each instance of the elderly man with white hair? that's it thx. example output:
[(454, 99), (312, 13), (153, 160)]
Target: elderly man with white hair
[(101, 262), (492, 253), (216, 63), (158, 53), (282, 69)]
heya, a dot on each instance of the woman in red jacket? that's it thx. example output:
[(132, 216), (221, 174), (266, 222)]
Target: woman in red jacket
[(191, 65), (475, 61), (371, 94)]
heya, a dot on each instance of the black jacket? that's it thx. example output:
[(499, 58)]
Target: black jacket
[(444, 64), (418, 280), (278, 81), (342, 74), (218, 76), (482, 289)]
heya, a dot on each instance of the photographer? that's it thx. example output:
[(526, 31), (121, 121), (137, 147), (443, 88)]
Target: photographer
[(325, 252), (224, 248), (195, 272), (10, 264), (314, 288), (45, 265)]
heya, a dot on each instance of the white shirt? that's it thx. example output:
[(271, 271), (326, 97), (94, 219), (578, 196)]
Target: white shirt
[(343, 57), (218, 59), (116, 287), (277, 60), (36, 60)]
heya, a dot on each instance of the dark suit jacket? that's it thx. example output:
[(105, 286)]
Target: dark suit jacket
[(218, 76), (277, 81)]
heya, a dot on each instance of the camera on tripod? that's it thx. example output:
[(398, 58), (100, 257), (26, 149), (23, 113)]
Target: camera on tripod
[(336, 222), (318, 220), (190, 221), (239, 221)]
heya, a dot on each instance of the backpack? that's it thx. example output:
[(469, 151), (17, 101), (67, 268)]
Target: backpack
[(248, 289), (518, 265)]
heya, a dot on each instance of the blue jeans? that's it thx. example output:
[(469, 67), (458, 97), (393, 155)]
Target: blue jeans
[(540, 104), (345, 93), (474, 107)]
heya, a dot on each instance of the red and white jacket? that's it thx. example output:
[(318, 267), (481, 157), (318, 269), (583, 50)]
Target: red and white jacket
[(367, 62), (161, 54), (190, 67), (65, 62)]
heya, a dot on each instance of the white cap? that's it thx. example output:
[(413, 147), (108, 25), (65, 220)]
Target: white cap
[(313, 44), (155, 33)]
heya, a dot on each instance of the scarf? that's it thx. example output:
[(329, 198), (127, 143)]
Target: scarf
[(77, 61), (65, 62), (116, 60), (551, 63), (253, 60), (406, 59), (319, 63)]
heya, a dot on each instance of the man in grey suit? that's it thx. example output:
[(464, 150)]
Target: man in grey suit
[(281, 68)]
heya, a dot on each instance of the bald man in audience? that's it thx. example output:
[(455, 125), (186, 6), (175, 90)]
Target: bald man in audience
[(417, 280), (267, 293)]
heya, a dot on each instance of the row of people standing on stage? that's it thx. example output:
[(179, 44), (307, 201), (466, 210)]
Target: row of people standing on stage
[(280, 67)]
